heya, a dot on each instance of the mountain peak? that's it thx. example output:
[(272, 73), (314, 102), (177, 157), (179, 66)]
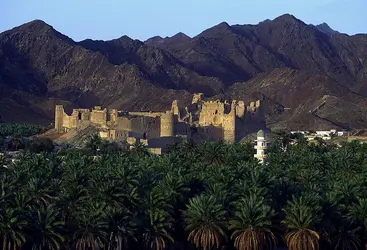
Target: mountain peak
[(155, 40), (287, 18), (222, 28), (37, 28), (224, 25), (181, 35), (36, 25), (325, 28)]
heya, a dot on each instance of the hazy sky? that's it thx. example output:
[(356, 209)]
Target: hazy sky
[(108, 19)]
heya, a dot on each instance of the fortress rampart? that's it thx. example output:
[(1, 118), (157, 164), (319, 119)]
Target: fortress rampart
[(201, 120)]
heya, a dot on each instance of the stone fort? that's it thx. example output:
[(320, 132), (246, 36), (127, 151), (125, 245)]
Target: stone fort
[(201, 120)]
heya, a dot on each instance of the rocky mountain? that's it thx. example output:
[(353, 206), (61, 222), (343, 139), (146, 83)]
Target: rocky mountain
[(292, 66), (324, 27), (158, 41)]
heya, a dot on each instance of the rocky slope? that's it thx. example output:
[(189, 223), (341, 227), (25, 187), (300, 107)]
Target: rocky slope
[(291, 65), (292, 95)]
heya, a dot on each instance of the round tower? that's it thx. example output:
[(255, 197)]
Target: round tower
[(260, 146), (167, 124)]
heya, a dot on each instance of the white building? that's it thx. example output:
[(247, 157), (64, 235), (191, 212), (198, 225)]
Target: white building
[(260, 146), (325, 133)]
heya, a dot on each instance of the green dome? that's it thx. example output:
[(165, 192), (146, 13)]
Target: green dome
[(261, 133)]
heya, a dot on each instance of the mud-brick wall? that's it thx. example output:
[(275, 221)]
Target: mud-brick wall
[(99, 117), (140, 125)]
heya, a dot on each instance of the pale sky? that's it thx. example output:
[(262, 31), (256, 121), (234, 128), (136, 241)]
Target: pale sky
[(108, 19)]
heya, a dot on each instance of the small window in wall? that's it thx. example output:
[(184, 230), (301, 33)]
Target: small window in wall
[(79, 116)]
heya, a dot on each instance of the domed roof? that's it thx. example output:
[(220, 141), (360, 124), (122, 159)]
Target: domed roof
[(260, 133)]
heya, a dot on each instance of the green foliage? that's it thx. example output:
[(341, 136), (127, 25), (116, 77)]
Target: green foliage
[(15, 129), (205, 219), (208, 195), (93, 143), (252, 224)]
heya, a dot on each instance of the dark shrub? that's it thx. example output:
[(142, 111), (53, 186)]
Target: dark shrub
[(41, 144), (16, 143)]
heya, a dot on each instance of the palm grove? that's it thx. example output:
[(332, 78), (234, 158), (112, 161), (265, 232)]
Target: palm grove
[(198, 196)]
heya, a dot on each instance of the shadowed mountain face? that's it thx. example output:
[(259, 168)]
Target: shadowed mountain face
[(324, 27), (291, 65)]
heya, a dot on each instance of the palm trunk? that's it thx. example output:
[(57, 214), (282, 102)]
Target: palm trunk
[(4, 243)]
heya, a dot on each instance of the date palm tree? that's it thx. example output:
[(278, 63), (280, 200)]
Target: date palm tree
[(155, 221), (121, 228), (301, 215), (346, 237), (206, 222), (38, 190), (214, 152), (252, 224), (93, 143), (155, 229), (357, 212), (12, 225), (45, 228), (92, 226)]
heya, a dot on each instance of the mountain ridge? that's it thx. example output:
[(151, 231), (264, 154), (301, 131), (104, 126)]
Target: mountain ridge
[(40, 67)]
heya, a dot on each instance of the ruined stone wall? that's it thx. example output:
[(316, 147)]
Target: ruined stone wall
[(112, 115), (119, 135), (124, 123), (214, 120), (152, 126), (208, 133), (211, 113), (163, 142), (59, 118), (229, 128), (114, 134), (99, 117), (146, 114), (65, 121), (140, 126), (182, 129), (240, 109), (156, 151), (197, 97), (252, 121), (175, 108), (229, 124)]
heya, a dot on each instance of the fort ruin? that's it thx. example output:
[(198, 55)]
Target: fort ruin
[(201, 120)]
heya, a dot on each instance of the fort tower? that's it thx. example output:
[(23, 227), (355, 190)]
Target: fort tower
[(167, 124), (59, 118)]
